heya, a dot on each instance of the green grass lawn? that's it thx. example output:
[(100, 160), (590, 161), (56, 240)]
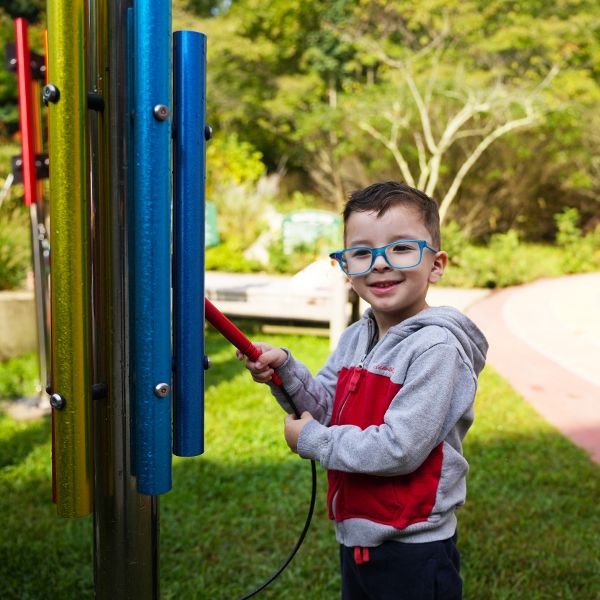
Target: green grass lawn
[(530, 528)]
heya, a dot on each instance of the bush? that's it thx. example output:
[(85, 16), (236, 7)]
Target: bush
[(229, 257), (237, 184), (15, 248), (505, 261), (18, 376), (581, 253), (298, 259)]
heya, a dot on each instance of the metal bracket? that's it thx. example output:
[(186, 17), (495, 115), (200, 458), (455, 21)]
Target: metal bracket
[(37, 62), (99, 391), (95, 102), (42, 167)]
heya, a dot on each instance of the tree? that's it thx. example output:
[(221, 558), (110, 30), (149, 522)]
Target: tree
[(479, 115), (275, 71), (31, 10), (436, 84)]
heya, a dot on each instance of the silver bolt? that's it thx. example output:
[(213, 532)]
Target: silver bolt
[(162, 390), (57, 401), (50, 93), (161, 112)]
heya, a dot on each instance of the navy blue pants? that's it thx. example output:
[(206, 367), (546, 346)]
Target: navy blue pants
[(401, 571)]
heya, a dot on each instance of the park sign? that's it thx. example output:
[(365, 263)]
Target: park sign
[(211, 232), (307, 229)]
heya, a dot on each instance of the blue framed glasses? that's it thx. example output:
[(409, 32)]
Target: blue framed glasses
[(401, 254)]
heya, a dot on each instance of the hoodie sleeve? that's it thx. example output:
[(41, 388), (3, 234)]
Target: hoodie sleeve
[(313, 394), (437, 393)]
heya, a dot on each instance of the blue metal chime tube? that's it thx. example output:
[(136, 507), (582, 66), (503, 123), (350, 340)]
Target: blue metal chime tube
[(189, 93), (150, 252)]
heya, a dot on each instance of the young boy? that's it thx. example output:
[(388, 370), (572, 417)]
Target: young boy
[(387, 413)]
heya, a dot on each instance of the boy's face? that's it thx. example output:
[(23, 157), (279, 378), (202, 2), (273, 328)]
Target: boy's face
[(394, 295)]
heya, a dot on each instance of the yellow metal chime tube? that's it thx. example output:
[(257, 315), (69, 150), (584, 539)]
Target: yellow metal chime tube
[(66, 96)]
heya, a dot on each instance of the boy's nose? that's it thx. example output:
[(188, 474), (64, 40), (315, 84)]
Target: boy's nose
[(380, 264)]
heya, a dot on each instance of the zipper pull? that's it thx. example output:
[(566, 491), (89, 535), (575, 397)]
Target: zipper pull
[(356, 375)]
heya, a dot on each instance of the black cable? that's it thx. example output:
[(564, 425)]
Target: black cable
[(311, 508)]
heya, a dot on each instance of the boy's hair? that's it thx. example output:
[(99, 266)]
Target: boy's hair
[(380, 197)]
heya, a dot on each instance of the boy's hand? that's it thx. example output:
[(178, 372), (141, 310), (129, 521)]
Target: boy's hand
[(293, 427), (270, 358)]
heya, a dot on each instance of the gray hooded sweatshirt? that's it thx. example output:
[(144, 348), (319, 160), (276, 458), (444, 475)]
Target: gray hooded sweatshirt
[(390, 418)]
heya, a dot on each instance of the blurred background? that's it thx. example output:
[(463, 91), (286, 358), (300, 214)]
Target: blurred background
[(490, 106)]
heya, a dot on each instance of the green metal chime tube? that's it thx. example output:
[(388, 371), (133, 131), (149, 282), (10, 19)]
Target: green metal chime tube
[(66, 98)]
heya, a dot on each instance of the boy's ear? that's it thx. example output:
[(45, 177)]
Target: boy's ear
[(437, 268)]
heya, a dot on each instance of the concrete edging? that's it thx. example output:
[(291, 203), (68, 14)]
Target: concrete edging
[(18, 334)]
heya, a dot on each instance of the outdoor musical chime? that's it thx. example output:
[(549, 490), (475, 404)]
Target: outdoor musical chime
[(149, 247), (127, 138)]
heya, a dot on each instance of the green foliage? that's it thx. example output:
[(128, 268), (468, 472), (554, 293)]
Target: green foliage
[(504, 266), (15, 247), (18, 376), (298, 78), (207, 8), (9, 111), (505, 261), (30, 10), (291, 81), (568, 233), (237, 186), (501, 264), (528, 529), (581, 252), (229, 257), (453, 241), (300, 257), (232, 162), (9, 10)]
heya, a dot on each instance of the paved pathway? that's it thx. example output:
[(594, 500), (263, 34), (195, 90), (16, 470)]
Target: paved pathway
[(545, 339)]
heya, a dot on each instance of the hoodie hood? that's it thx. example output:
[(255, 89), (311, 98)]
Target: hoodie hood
[(462, 328)]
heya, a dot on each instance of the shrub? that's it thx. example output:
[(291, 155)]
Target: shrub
[(237, 184), (500, 264), (229, 257), (301, 256), (18, 376), (503, 262), (581, 253)]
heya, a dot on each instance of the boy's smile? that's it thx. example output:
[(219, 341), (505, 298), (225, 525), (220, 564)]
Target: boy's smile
[(394, 294), (381, 288)]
